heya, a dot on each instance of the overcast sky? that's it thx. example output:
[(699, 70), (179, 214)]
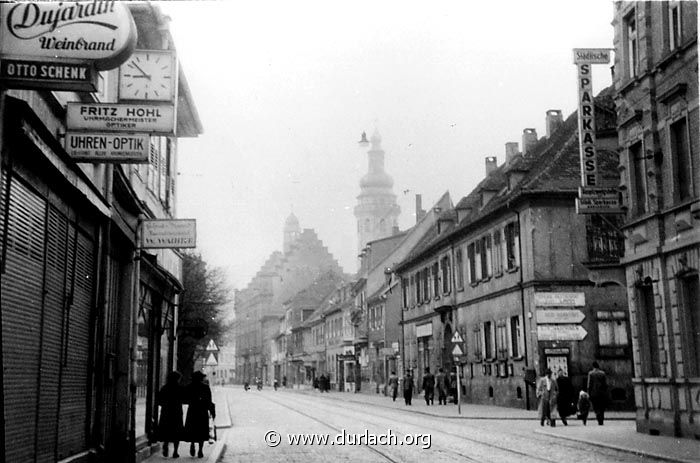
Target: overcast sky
[(285, 88)]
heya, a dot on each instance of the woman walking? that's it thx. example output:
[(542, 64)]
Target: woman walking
[(170, 398), (198, 396), (566, 400)]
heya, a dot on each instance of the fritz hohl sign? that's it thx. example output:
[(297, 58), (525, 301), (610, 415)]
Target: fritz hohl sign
[(98, 31)]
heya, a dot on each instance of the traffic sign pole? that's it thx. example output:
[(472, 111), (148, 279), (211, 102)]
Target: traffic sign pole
[(459, 388)]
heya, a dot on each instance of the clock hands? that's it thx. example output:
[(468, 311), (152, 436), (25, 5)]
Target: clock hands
[(142, 72)]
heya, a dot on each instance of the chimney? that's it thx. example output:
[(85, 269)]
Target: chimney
[(553, 120), (420, 212), (491, 164), (529, 140), (511, 151)]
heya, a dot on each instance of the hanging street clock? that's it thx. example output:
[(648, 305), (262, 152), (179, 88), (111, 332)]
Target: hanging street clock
[(149, 75)]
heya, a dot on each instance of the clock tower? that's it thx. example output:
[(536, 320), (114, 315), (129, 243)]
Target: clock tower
[(376, 211)]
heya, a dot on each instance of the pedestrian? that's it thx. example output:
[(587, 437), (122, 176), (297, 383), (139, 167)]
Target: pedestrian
[(198, 396), (315, 383), (275, 384), (566, 399), (453, 386), (584, 406), (598, 391), (429, 386), (393, 385), (547, 393), (408, 387), (170, 398), (441, 386), (284, 381)]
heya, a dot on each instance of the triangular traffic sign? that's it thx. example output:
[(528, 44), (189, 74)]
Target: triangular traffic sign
[(457, 337), (211, 346), (211, 361), (457, 350)]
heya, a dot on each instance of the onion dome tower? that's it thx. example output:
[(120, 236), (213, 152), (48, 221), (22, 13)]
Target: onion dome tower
[(376, 211)]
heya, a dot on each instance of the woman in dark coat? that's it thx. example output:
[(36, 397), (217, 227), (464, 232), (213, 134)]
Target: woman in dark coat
[(198, 396), (566, 400), (170, 398)]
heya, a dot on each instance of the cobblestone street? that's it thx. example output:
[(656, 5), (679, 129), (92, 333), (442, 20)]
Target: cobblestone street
[(518, 438)]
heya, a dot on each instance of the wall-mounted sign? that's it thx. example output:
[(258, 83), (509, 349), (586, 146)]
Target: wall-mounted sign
[(168, 233), (424, 330), (60, 76), (592, 55), (556, 351), (121, 117), (545, 316), (560, 333), (560, 299), (102, 32), (132, 148), (584, 58), (592, 200)]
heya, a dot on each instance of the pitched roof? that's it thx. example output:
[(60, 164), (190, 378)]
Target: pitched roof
[(552, 166)]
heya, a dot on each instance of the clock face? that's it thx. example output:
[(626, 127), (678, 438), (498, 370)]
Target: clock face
[(148, 75)]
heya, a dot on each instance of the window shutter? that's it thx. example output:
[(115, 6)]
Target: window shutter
[(509, 337)]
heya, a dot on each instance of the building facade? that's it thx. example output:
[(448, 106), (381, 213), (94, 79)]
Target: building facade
[(507, 263), (259, 305), (88, 319), (656, 84)]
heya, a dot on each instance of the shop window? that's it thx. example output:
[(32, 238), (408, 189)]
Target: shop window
[(689, 291), (680, 153)]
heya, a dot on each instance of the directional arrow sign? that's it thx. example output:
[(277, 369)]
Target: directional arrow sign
[(568, 316), (560, 332), (457, 350), (457, 338)]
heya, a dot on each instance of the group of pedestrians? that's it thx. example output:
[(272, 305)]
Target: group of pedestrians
[(430, 385), (557, 396), (322, 383), (171, 398)]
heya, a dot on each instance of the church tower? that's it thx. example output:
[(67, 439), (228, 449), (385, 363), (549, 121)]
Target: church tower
[(376, 211), (291, 232)]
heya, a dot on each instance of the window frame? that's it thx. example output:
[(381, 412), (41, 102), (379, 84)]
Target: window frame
[(638, 178), (675, 25), (631, 34), (678, 168), (459, 269)]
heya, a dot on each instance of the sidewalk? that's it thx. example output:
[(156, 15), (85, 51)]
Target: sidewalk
[(619, 431), (223, 422)]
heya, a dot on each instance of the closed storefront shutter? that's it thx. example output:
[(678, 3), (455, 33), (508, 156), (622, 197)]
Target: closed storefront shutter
[(47, 298), (22, 286)]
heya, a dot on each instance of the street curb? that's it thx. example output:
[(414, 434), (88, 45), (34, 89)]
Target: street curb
[(451, 417), (219, 449), (617, 447)]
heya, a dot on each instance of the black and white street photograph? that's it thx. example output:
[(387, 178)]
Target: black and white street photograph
[(244, 231)]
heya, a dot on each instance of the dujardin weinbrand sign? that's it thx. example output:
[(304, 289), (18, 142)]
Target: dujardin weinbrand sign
[(168, 233), (121, 117), (78, 76), (102, 32), (108, 147)]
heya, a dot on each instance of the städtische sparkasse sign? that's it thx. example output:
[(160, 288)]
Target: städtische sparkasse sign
[(43, 43)]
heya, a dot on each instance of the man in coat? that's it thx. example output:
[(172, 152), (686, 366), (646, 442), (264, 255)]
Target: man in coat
[(547, 391), (441, 386), (566, 399), (429, 386), (393, 385), (598, 391), (408, 387)]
